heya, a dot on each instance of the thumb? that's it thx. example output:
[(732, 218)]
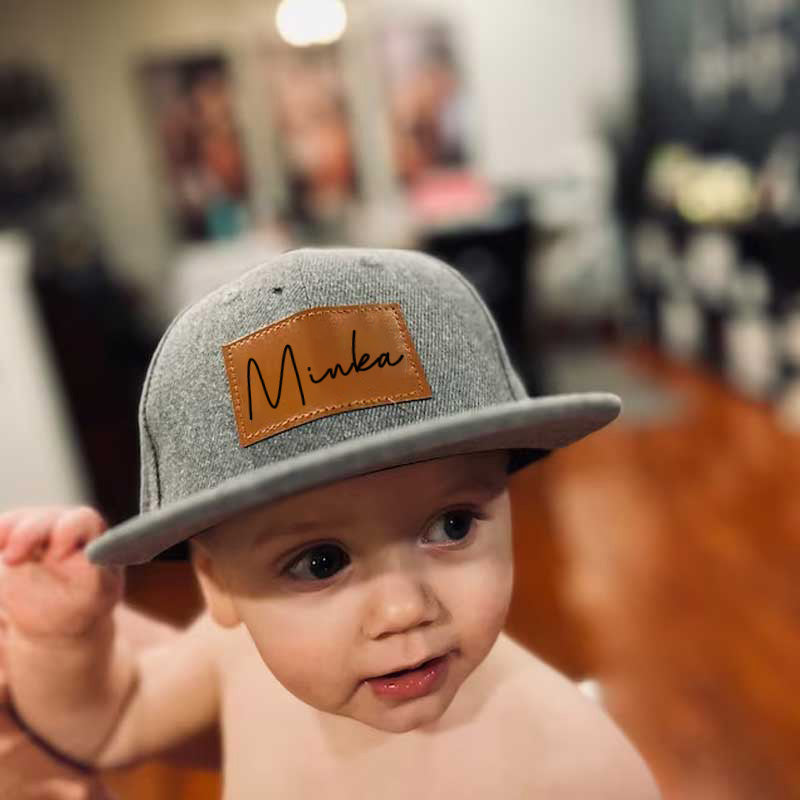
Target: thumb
[(113, 578)]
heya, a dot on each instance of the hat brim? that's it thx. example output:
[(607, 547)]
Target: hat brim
[(542, 423)]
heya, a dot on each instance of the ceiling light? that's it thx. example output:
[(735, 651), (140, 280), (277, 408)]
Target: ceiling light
[(307, 22)]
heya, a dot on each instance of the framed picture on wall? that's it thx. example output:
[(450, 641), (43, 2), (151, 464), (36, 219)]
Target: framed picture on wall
[(426, 97), (306, 93), (189, 100)]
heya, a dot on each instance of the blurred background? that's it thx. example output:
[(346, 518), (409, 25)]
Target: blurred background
[(621, 182)]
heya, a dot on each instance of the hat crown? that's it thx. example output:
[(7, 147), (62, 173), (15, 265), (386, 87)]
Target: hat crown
[(188, 428)]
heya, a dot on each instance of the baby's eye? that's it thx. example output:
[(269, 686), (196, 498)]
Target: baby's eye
[(319, 563), (456, 525)]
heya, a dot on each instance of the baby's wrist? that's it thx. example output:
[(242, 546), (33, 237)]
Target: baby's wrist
[(69, 687), (80, 637), (80, 768)]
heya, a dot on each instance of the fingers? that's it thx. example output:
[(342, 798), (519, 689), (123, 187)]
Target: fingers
[(55, 532), (72, 530), (7, 521), (28, 536), (10, 519)]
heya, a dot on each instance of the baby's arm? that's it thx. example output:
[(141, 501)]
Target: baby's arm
[(204, 749), (76, 683), (28, 770), (175, 700)]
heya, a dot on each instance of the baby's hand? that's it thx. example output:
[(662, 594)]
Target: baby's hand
[(48, 588)]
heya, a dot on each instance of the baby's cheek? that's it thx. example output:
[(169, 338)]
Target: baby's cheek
[(492, 580), (303, 661), (485, 605)]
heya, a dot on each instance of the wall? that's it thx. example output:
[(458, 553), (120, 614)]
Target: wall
[(539, 72)]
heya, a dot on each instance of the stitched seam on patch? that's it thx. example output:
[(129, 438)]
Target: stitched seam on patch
[(309, 415)]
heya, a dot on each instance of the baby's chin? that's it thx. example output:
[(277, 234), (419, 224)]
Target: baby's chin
[(418, 722), (394, 722), (369, 712), (420, 714)]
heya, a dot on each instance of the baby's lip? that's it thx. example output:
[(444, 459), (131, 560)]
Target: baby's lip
[(415, 665)]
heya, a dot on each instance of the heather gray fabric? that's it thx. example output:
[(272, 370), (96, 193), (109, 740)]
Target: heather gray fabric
[(194, 473)]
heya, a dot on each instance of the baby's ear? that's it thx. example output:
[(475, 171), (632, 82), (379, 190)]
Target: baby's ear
[(215, 592)]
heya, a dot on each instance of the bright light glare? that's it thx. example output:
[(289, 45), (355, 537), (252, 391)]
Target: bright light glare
[(306, 22)]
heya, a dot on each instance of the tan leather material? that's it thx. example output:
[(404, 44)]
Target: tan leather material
[(318, 362)]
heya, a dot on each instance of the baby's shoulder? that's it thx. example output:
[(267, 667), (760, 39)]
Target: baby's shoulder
[(533, 692), (553, 730), (232, 646), (224, 649)]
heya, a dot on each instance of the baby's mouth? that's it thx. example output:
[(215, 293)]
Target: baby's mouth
[(414, 668), (412, 682), (407, 670)]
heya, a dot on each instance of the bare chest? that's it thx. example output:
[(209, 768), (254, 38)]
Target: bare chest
[(301, 767), (274, 746)]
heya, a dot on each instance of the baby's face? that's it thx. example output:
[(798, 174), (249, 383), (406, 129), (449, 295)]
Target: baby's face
[(368, 576)]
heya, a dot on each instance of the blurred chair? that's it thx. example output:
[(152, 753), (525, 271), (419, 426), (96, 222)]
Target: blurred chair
[(492, 250)]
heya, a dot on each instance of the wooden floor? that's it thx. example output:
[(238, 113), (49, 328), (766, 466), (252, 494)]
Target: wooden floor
[(662, 560)]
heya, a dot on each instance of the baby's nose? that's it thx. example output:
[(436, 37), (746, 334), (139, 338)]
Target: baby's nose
[(399, 602)]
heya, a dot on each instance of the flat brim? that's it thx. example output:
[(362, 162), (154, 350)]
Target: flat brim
[(542, 423)]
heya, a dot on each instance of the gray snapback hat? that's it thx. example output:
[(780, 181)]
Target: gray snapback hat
[(320, 365)]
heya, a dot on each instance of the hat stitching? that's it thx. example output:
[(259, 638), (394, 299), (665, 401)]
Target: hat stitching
[(143, 406), (393, 308), (321, 412)]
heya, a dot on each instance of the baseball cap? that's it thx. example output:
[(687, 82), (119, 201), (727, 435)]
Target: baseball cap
[(319, 365)]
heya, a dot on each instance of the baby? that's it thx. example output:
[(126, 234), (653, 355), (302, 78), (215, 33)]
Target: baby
[(333, 433)]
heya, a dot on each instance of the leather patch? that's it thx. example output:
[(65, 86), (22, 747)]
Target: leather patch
[(319, 362)]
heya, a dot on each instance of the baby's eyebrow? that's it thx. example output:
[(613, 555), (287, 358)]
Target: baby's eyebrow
[(483, 482), (295, 529)]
